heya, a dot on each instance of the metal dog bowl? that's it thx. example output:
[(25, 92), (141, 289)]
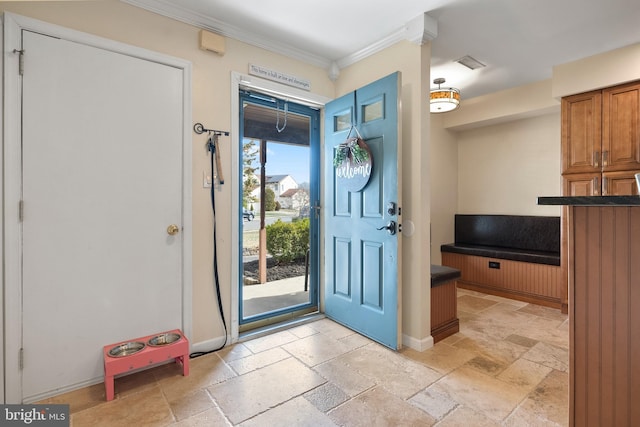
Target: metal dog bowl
[(164, 339), (127, 349)]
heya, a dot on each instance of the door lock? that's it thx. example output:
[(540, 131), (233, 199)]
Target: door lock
[(391, 208), (391, 227)]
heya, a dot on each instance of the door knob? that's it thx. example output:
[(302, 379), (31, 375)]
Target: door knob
[(391, 227), (172, 229)]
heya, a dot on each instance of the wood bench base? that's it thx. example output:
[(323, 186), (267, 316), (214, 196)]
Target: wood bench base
[(444, 303), (533, 283), (444, 311)]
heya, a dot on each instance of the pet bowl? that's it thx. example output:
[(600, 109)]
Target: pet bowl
[(127, 349), (164, 339)]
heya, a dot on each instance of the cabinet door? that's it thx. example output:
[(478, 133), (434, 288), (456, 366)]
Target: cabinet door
[(581, 184), (621, 127), (581, 132), (619, 183)]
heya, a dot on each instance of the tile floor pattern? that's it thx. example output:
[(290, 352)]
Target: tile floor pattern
[(507, 367)]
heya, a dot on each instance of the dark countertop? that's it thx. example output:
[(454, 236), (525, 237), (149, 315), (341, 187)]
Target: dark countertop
[(590, 200)]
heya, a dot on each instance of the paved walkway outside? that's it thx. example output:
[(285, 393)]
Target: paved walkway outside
[(274, 295)]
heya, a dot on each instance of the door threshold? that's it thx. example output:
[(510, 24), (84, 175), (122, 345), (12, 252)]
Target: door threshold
[(277, 327)]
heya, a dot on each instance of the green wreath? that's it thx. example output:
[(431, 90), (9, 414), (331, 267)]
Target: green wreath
[(350, 149)]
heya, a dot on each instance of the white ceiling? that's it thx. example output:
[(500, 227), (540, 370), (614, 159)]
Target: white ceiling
[(518, 40)]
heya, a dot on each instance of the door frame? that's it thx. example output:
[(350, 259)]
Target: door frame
[(245, 81), (259, 99), (11, 168)]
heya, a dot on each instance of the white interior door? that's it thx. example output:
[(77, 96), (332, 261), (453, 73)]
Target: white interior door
[(102, 179)]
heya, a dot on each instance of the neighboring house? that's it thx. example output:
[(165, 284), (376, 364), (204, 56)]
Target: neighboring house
[(295, 198), (281, 185)]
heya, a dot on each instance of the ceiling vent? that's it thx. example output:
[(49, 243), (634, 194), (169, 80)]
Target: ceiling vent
[(470, 62)]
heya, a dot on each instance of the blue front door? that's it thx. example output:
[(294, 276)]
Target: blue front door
[(361, 226)]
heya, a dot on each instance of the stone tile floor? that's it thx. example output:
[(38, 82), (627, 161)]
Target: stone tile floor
[(507, 367)]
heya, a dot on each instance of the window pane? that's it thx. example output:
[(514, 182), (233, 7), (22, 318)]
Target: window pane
[(342, 121), (373, 111)]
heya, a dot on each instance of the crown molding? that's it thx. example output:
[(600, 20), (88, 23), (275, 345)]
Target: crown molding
[(181, 14), (419, 30)]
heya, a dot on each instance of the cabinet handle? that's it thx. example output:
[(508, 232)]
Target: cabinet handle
[(605, 158), (596, 158), (605, 184), (595, 186)]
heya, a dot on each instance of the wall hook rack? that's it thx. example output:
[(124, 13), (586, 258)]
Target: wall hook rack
[(212, 146), (200, 129)]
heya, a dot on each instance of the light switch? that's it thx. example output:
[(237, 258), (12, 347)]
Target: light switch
[(206, 180)]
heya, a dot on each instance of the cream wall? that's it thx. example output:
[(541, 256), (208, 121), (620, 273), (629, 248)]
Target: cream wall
[(596, 72), (211, 106), (413, 62), (444, 185), (502, 169)]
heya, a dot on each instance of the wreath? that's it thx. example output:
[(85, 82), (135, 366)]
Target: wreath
[(350, 150)]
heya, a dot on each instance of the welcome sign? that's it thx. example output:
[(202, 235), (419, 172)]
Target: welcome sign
[(353, 164)]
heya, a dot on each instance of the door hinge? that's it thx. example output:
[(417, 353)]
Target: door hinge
[(20, 210), (20, 60), (21, 358)]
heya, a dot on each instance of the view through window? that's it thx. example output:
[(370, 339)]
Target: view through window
[(277, 214)]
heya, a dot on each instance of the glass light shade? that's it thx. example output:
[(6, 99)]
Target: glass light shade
[(442, 100)]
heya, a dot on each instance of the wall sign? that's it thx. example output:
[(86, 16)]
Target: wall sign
[(353, 164), (277, 76)]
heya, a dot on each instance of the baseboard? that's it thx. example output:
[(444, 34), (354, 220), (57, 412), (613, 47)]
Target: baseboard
[(61, 390), (417, 344), (511, 294), (446, 330), (208, 345)]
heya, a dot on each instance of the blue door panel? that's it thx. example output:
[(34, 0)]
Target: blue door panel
[(372, 253), (342, 262), (361, 280)]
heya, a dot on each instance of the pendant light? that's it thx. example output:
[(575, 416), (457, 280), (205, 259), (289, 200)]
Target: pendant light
[(444, 99)]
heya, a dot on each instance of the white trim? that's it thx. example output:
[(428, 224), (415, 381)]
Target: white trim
[(417, 344), (245, 81), (174, 11), (208, 345), (11, 196), (12, 249), (419, 30), (1, 233)]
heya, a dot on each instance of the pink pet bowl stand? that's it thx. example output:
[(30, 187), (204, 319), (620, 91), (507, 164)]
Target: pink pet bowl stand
[(150, 355)]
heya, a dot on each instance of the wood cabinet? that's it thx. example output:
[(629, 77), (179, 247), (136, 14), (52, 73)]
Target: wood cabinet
[(604, 318), (619, 183), (581, 133), (601, 141)]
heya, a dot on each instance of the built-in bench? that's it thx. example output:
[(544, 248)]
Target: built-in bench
[(514, 256), (444, 302)]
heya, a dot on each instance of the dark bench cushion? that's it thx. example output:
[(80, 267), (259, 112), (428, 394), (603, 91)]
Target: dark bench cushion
[(523, 238), (441, 274), (536, 257)]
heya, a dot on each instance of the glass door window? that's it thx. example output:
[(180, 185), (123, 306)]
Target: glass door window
[(279, 226)]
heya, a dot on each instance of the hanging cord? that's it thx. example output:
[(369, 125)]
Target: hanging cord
[(286, 111), (211, 146)]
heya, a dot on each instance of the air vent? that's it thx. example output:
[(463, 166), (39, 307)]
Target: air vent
[(470, 62)]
